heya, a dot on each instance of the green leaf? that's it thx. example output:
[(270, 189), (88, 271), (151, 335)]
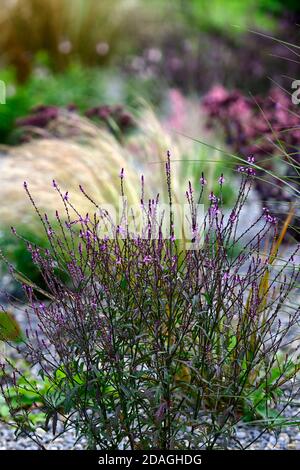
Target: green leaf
[(232, 343), (4, 411), (208, 298), (123, 283), (9, 328)]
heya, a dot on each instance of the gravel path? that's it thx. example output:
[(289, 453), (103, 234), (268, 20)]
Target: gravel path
[(287, 439), (9, 442)]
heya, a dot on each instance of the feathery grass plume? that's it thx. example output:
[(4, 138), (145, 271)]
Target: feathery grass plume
[(73, 150), (189, 158), (147, 345), (88, 158)]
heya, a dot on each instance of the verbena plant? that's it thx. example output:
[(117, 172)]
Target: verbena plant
[(153, 345)]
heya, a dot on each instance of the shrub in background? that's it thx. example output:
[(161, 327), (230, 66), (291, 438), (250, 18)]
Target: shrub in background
[(39, 121), (82, 88), (150, 345), (268, 128), (254, 125), (244, 57), (91, 31)]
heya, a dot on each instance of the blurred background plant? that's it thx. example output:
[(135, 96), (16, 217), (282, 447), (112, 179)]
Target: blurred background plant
[(98, 85), (267, 127), (89, 30)]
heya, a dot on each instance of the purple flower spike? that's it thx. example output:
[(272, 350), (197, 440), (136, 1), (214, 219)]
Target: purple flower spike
[(232, 217), (268, 217), (221, 180), (213, 198), (203, 181)]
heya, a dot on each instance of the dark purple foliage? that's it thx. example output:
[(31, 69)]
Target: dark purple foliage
[(115, 118), (254, 125), (267, 127), (112, 114), (39, 116)]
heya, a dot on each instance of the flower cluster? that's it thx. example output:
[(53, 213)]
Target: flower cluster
[(269, 218), (248, 170)]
